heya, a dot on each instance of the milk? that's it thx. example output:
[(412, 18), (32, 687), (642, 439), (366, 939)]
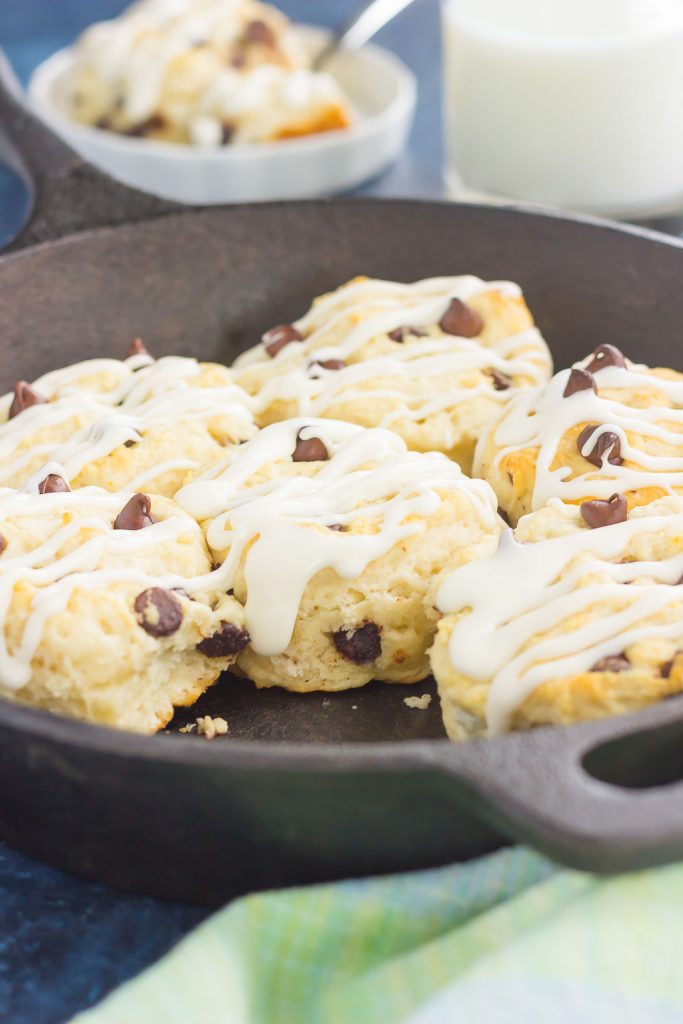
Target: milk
[(575, 103)]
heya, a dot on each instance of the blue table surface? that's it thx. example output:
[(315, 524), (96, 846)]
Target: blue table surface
[(64, 942)]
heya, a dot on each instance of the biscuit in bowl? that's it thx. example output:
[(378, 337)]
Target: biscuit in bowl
[(109, 610), (605, 426), (206, 73), (329, 536), (568, 620), (433, 361), (137, 423)]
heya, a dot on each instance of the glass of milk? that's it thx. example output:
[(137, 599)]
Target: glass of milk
[(572, 103)]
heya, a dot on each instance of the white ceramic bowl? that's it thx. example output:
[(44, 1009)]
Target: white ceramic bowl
[(381, 89)]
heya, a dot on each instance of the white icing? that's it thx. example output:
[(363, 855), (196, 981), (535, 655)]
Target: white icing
[(526, 590), (205, 130), (539, 417), (145, 393), (392, 305), (370, 474)]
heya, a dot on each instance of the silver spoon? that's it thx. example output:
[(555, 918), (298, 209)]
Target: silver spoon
[(362, 27)]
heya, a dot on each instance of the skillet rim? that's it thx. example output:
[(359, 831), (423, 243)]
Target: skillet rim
[(536, 212), (317, 756)]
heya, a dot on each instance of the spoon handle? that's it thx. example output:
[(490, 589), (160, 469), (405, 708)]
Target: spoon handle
[(362, 27)]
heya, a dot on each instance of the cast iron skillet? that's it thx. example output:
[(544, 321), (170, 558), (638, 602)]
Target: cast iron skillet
[(314, 787)]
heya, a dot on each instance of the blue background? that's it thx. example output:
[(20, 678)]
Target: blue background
[(64, 943)]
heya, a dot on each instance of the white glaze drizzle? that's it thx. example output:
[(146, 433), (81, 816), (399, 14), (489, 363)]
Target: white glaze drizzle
[(146, 393), (422, 304), (527, 589), (283, 521), (539, 417)]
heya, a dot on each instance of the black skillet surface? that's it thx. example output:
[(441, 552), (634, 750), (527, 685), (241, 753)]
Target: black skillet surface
[(321, 786)]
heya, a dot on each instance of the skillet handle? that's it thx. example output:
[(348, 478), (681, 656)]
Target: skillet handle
[(67, 193), (535, 788)]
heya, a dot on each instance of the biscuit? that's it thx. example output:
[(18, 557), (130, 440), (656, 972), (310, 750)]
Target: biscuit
[(606, 426), (329, 536), (109, 609), (563, 622), (433, 361), (137, 423), (214, 73)]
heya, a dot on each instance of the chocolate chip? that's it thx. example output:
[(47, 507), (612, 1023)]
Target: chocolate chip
[(3, 543), (137, 348), (327, 364), (337, 527), (277, 337), (309, 449), (53, 484), (401, 333), (104, 124), (227, 132), (598, 513), (462, 320), (130, 443), (605, 355), (608, 441), (501, 381), (580, 380), (154, 123), (135, 515), (612, 663), (228, 639), (258, 33), (24, 397), (359, 645), (159, 611), (665, 669)]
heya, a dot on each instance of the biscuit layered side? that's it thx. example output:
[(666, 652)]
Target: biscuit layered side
[(208, 73), (572, 618), (432, 361), (330, 536)]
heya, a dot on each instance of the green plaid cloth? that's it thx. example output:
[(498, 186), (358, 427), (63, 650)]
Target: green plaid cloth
[(507, 938)]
